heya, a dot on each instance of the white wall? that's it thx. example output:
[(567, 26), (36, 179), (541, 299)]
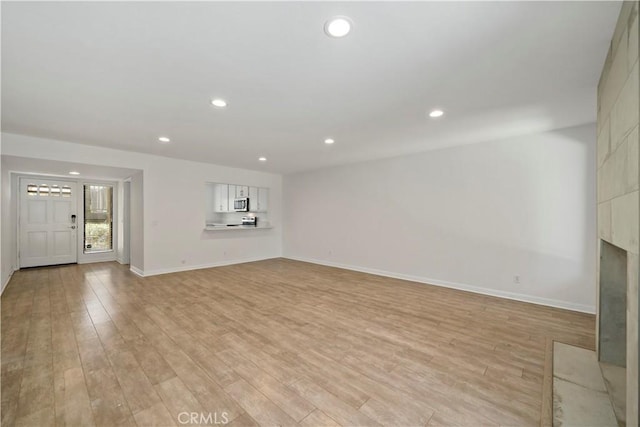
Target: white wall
[(136, 256), (8, 216), (124, 197), (2, 204), (167, 207), (5, 243), (470, 217)]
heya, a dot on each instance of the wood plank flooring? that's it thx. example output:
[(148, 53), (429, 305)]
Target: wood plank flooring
[(275, 342)]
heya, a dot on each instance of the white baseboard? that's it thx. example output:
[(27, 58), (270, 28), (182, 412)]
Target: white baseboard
[(460, 286), (6, 282), (136, 271), (195, 267)]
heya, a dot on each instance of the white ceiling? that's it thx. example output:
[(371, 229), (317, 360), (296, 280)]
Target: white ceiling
[(120, 75)]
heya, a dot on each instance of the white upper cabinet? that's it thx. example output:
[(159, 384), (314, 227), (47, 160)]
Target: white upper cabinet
[(242, 191), (221, 198), (258, 198), (263, 200), (253, 199), (232, 197)]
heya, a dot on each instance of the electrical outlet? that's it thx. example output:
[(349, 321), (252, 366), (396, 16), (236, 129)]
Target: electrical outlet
[(516, 279)]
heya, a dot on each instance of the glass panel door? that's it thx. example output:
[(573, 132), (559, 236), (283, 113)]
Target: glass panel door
[(98, 218)]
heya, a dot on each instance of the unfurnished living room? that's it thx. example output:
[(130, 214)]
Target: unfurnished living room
[(319, 213)]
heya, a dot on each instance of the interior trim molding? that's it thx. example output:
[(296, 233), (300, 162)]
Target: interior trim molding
[(583, 308), (159, 271), (136, 271), (97, 259), (6, 282)]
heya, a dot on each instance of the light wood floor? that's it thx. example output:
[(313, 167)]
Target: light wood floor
[(275, 342)]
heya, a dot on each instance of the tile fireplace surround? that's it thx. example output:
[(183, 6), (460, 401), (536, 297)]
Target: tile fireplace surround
[(619, 205)]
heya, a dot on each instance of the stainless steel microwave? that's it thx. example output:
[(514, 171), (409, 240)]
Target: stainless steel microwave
[(241, 205)]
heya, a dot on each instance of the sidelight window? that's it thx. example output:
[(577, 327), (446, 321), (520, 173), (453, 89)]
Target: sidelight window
[(98, 218)]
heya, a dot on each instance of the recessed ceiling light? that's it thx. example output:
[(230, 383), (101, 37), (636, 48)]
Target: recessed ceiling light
[(74, 173), (262, 159), (338, 26), (164, 139), (217, 102), (436, 113), (329, 141)]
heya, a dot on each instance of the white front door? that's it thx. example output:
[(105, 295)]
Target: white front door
[(48, 222)]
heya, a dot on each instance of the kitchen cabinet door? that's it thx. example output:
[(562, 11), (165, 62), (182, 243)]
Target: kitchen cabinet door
[(232, 197), (263, 200), (242, 191), (253, 199), (221, 198)]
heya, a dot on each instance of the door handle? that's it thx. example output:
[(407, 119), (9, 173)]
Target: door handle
[(73, 227)]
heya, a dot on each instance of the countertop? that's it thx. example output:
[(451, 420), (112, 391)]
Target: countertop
[(220, 227)]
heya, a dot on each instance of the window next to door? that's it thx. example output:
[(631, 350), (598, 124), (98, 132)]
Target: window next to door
[(98, 218)]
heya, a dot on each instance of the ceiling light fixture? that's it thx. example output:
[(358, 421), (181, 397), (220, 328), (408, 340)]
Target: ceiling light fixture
[(262, 159), (164, 139), (436, 113), (74, 173), (338, 26), (220, 103), (329, 141)]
